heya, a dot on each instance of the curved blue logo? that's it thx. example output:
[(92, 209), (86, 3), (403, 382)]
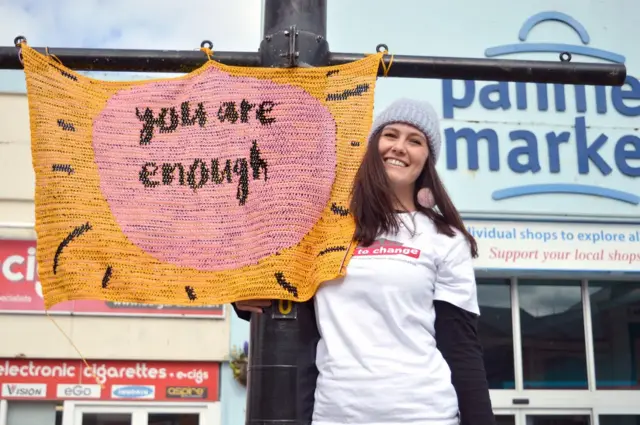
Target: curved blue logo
[(570, 188), (538, 18), (524, 47)]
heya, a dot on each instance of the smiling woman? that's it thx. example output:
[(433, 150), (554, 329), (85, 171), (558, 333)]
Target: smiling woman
[(407, 132), (378, 360)]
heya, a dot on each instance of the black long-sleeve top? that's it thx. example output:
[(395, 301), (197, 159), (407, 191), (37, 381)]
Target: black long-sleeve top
[(456, 338)]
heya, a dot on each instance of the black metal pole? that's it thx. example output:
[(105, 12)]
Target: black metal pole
[(307, 15), (403, 66), (283, 340)]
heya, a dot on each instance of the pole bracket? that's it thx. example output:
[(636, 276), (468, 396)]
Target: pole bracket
[(283, 49)]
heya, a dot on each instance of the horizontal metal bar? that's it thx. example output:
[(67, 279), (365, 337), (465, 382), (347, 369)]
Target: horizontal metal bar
[(128, 60), (403, 66), (499, 69)]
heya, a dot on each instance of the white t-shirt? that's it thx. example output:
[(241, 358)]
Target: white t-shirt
[(377, 358)]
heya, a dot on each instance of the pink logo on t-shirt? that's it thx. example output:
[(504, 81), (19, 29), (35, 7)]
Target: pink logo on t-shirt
[(387, 247)]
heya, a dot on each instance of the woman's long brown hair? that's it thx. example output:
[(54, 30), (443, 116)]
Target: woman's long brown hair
[(372, 201)]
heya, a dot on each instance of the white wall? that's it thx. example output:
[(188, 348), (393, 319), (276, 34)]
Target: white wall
[(17, 180), (115, 338)]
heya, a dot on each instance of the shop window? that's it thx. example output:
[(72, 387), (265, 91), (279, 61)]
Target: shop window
[(495, 329), (106, 418), (31, 413), (552, 328), (505, 420), (619, 419), (558, 420), (174, 419), (615, 319)]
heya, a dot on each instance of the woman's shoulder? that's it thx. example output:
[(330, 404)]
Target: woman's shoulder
[(429, 226), (441, 242)]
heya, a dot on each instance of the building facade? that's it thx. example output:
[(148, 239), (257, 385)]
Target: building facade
[(153, 365), (546, 177)]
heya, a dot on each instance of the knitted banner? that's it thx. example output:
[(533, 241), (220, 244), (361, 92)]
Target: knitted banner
[(227, 183)]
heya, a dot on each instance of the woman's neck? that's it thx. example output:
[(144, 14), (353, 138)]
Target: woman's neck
[(404, 200)]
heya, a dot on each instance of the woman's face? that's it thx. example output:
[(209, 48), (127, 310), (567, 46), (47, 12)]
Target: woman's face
[(404, 151)]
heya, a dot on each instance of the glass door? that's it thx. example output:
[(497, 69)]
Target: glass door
[(618, 419), (555, 417), (138, 415), (105, 415), (505, 416), (175, 416)]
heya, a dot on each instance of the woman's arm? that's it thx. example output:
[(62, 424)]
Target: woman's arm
[(242, 314), (457, 340)]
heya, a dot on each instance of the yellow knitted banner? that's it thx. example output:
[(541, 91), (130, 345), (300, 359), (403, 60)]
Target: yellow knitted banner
[(225, 184)]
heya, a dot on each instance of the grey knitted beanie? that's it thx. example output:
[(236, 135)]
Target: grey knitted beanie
[(419, 114)]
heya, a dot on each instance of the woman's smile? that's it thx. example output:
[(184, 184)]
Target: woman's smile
[(396, 162)]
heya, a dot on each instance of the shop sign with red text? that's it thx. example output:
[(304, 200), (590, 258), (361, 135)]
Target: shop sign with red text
[(21, 292), (111, 380)]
